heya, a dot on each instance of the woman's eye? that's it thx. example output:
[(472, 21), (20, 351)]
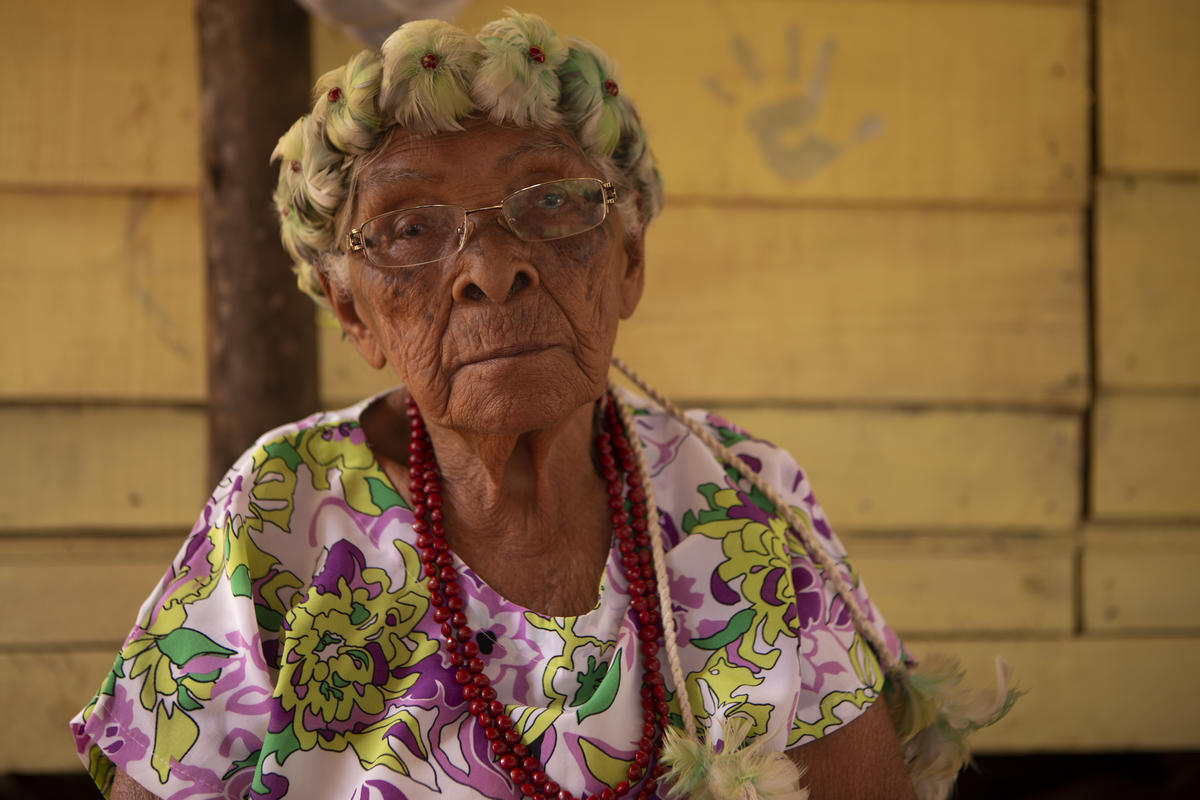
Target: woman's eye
[(551, 200), (408, 229)]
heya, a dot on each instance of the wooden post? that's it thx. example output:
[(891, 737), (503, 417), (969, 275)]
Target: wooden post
[(262, 363)]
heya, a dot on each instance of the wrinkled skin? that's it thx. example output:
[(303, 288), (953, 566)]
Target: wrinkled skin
[(436, 324), (505, 347)]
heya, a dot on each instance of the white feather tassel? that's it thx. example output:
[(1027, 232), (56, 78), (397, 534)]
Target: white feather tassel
[(739, 772)]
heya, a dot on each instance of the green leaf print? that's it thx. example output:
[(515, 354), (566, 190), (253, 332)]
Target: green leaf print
[(185, 700), (739, 623), (383, 495), (598, 687), (281, 745), (117, 671), (183, 644), (240, 581), (249, 761), (268, 618), (284, 449)]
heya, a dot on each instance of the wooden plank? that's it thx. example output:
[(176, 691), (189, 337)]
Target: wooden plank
[(863, 304), (344, 376), (95, 468), (1147, 284), (108, 94), (1149, 82), (104, 294), (1146, 458), (771, 304), (922, 470), (1141, 579), (111, 575), (927, 585), (924, 101), (1088, 694), (44, 690)]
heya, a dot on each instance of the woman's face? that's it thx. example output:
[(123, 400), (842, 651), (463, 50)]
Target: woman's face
[(506, 336)]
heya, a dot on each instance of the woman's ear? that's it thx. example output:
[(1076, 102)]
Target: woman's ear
[(634, 278), (345, 308)]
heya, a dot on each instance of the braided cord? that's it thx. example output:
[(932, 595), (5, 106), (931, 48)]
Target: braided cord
[(660, 567), (815, 550)]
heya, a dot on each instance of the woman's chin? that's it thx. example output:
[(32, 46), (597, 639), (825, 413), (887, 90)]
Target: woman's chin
[(513, 396)]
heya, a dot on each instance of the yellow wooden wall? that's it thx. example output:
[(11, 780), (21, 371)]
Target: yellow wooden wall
[(967, 311)]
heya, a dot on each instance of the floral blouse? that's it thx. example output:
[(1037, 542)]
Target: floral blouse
[(289, 651)]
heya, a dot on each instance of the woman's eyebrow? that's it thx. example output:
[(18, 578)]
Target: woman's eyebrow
[(538, 145), (388, 175)]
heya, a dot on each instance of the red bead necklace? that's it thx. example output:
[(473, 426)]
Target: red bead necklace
[(633, 541)]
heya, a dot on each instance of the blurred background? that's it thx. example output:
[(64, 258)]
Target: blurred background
[(947, 252)]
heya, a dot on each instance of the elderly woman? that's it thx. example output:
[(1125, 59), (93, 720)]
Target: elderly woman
[(497, 580)]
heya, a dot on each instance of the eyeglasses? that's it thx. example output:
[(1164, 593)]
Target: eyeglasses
[(543, 212)]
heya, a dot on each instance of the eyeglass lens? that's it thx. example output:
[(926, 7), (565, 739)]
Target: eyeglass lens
[(547, 211)]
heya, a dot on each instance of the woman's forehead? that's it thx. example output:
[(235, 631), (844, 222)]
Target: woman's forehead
[(483, 148)]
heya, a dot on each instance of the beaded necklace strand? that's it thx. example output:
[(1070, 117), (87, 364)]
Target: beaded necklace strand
[(625, 486)]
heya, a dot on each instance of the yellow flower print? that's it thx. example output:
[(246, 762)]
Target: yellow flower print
[(341, 450), (341, 648), (757, 564), (719, 691)]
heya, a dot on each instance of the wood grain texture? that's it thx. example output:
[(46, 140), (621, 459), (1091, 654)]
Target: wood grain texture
[(961, 102), (1149, 75), (107, 94), (344, 377), (1147, 284), (771, 304), (102, 468), (44, 690), (104, 296), (1141, 579), (103, 581), (915, 471), (963, 586), (1146, 458), (1083, 694)]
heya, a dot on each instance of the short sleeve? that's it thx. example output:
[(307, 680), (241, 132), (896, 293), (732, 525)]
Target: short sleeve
[(184, 709), (763, 635), (840, 674)]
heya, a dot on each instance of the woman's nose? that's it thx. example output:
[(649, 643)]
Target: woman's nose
[(494, 265)]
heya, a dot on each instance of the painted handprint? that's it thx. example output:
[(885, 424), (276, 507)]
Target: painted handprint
[(784, 125)]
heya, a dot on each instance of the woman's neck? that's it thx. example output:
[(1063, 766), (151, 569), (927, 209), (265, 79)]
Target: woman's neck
[(527, 513)]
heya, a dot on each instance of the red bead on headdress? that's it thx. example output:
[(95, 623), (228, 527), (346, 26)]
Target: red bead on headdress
[(334, 95), (537, 54), (295, 165), (611, 88), (429, 61)]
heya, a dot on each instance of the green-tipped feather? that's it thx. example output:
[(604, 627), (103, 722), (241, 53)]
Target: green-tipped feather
[(591, 97), (345, 103), (516, 80), (428, 67), (428, 76), (933, 716), (739, 771)]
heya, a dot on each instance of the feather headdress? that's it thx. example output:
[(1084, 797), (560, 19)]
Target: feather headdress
[(517, 80), (429, 76), (427, 70)]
